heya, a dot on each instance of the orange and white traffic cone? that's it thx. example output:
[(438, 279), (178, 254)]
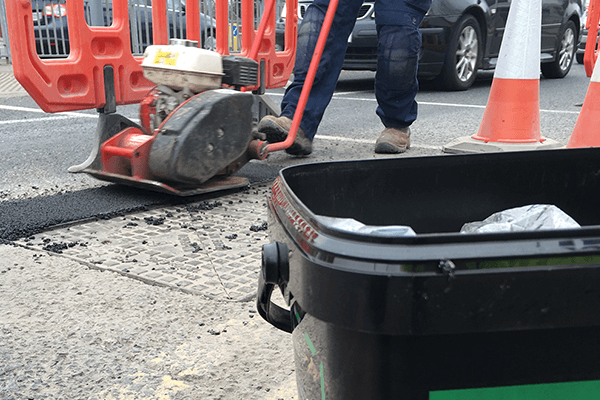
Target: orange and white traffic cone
[(586, 133), (511, 120)]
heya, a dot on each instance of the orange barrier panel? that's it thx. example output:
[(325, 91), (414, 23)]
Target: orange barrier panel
[(192, 9), (591, 53), (77, 82), (585, 133), (160, 30)]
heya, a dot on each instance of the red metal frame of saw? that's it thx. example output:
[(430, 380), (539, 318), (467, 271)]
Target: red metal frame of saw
[(126, 155)]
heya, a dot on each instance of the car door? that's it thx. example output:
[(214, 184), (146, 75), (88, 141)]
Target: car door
[(499, 11), (553, 12), (552, 16)]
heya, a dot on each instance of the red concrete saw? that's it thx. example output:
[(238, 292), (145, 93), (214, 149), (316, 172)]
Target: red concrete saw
[(193, 133)]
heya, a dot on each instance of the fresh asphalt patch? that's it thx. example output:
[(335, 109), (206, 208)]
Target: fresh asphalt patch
[(23, 218), (26, 217)]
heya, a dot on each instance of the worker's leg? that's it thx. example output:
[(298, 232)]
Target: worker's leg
[(396, 80), (330, 65), (396, 84)]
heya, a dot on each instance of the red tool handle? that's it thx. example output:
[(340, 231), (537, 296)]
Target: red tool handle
[(310, 77)]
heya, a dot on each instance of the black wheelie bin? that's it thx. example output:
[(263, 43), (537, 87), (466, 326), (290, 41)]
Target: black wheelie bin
[(439, 315)]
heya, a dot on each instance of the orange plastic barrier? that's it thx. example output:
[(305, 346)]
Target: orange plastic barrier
[(585, 132), (77, 82), (591, 52)]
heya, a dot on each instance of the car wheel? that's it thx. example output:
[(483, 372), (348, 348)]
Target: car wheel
[(560, 67), (464, 54), (209, 42), (579, 58)]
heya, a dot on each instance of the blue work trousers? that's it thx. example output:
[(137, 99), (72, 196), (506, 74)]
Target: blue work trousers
[(397, 57)]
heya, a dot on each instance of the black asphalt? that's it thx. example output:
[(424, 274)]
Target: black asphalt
[(27, 217)]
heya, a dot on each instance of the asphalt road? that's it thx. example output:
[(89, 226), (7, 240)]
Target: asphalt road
[(36, 148)]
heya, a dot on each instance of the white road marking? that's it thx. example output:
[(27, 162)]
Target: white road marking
[(69, 115), (370, 141), (20, 121), (50, 116), (428, 103), (37, 110)]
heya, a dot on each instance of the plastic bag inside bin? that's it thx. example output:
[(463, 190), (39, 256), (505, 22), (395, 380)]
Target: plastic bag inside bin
[(353, 226), (527, 218)]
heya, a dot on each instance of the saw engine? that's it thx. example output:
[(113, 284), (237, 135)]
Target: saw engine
[(183, 70), (196, 124)]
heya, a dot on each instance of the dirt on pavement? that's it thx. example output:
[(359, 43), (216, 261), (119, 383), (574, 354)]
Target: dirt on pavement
[(71, 332)]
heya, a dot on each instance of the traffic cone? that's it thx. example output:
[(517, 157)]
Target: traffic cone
[(511, 120), (585, 133)]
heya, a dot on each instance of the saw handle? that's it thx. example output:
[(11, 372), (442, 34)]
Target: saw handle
[(310, 77)]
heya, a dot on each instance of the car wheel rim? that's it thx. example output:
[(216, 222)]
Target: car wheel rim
[(209, 43), (565, 55), (466, 53)]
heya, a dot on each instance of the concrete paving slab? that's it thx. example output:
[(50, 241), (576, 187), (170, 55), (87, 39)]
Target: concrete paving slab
[(210, 248), (72, 332)]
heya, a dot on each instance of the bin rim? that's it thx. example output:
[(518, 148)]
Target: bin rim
[(446, 237), (432, 246)]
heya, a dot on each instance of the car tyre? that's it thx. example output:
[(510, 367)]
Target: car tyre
[(560, 67), (208, 41), (579, 58), (463, 56)]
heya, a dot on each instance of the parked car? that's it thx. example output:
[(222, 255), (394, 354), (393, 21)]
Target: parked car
[(581, 47), (462, 36), (584, 32), (52, 35)]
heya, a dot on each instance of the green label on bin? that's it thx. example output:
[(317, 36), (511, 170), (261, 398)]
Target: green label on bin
[(588, 390), (535, 262)]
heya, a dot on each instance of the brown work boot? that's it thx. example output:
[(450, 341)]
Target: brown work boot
[(393, 141), (277, 129)]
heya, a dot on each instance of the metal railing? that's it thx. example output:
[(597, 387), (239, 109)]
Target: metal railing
[(51, 28), (4, 43)]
